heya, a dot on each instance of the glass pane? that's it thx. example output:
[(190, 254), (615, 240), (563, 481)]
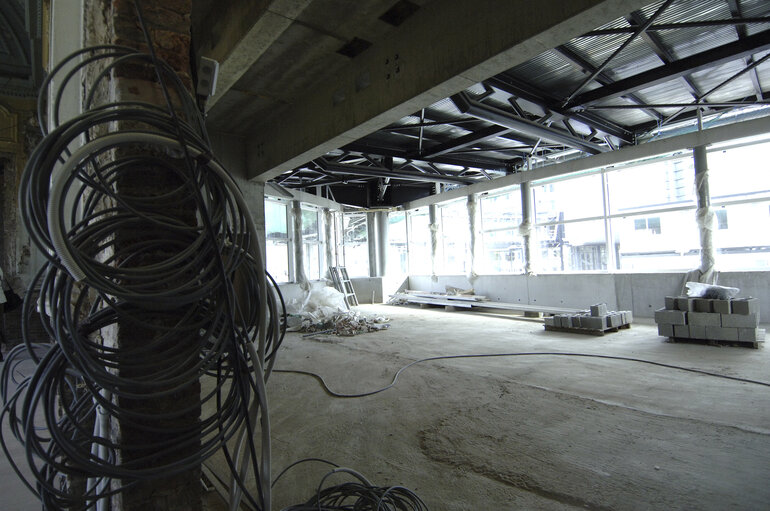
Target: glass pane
[(499, 211), (397, 252), (275, 220), (309, 225), (356, 244), (667, 241), (659, 184), (455, 236), (503, 252), (577, 246), (739, 173), (277, 253), (312, 264), (419, 242), (570, 199), (742, 236)]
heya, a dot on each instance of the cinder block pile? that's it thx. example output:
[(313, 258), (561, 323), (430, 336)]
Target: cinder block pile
[(733, 320), (599, 319)]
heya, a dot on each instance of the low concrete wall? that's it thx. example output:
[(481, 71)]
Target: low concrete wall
[(365, 288), (641, 293), (368, 289)]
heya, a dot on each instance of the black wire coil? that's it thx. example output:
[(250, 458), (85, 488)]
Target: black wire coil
[(174, 270)]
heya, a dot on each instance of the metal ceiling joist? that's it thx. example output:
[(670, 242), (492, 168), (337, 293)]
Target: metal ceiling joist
[(714, 57), (522, 90), (433, 64), (675, 26), (478, 162), (365, 171), (603, 78), (491, 114), (465, 141), (639, 30)]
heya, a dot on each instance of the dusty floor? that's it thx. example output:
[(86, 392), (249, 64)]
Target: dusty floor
[(535, 432)]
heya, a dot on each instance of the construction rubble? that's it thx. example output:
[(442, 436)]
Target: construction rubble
[(323, 311)]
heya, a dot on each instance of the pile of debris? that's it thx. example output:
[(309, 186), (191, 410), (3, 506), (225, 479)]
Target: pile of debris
[(346, 324), (323, 311)]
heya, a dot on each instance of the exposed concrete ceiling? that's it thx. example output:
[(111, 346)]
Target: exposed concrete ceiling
[(287, 89)]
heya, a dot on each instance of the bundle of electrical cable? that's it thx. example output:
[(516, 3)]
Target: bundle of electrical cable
[(154, 279)]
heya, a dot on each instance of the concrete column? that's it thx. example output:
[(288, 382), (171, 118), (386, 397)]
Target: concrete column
[(473, 227), (526, 229), (328, 239), (704, 214), (299, 250), (381, 219), (371, 236), (433, 225)]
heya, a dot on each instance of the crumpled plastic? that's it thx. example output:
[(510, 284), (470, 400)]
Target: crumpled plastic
[(701, 290)]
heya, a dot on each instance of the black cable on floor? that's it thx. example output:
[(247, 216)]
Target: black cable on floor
[(332, 393)]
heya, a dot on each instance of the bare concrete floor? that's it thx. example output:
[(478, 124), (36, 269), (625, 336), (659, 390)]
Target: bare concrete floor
[(535, 432), (539, 432)]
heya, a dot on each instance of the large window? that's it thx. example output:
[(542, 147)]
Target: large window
[(277, 237), (419, 242), (311, 243), (653, 215), (502, 246), (355, 244), (455, 237), (739, 184), (569, 214), (397, 253)]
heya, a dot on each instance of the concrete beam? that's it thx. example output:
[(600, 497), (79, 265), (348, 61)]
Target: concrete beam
[(627, 154), (237, 33), (441, 50)]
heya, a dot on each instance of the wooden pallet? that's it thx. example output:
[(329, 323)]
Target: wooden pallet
[(712, 342), (586, 331)]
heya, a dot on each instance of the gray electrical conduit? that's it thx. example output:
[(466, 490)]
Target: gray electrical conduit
[(332, 393), (258, 356)]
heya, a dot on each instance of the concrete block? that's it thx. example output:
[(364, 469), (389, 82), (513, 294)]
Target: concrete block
[(684, 303), (682, 331), (745, 306), (697, 331), (565, 321), (670, 302), (549, 321), (629, 317), (740, 320), (599, 309), (669, 317), (613, 320), (594, 323), (702, 305), (623, 317), (574, 321), (704, 318), (666, 330), (721, 306), (751, 334), (718, 333)]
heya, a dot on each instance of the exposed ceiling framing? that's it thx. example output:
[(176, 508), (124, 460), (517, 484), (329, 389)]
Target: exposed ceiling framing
[(605, 87)]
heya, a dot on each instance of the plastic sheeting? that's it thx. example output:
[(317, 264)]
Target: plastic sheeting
[(472, 226), (328, 224), (704, 216), (299, 256), (323, 310)]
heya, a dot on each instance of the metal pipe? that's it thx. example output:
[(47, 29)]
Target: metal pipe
[(343, 168), (491, 114)]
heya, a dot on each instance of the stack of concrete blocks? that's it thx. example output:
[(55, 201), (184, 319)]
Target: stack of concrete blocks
[(598, 319), (733, 320)]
